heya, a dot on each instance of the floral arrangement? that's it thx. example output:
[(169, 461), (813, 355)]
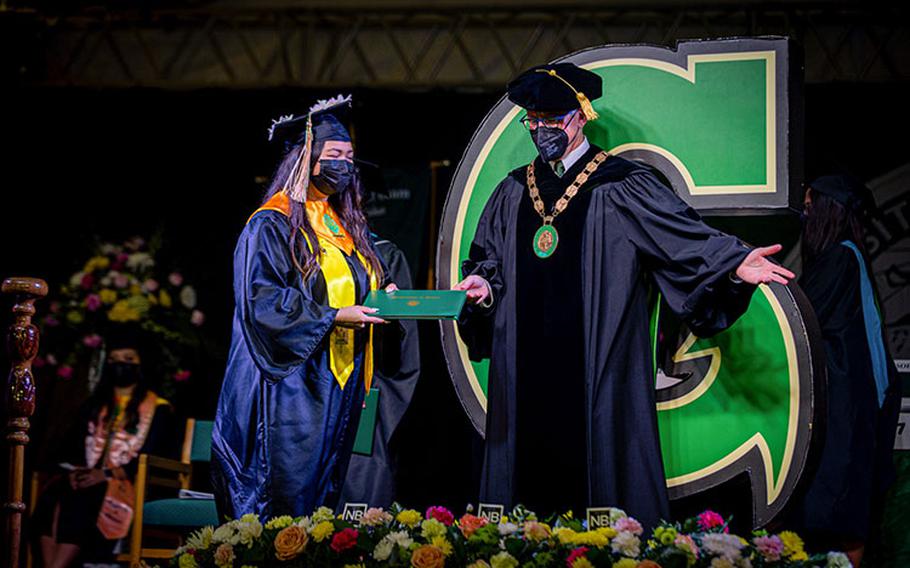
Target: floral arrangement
[(120, 283), (405, 538)]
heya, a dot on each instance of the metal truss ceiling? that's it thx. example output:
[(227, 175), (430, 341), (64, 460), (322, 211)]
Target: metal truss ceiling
[(249, 47)]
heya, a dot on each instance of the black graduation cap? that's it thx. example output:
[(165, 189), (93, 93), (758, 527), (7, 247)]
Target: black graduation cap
[(125, 336), (325, 118), (846, 190), (320, 123), (556, 87)]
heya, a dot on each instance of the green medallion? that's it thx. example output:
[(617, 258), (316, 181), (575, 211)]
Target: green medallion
[(331, 224), (545, 240)]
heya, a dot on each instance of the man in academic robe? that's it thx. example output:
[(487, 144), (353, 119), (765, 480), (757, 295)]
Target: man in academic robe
[(567, 257)]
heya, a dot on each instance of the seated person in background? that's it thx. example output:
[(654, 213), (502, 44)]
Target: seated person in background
[(121, 419)]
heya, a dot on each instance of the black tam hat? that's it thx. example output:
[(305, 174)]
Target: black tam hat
[(846, 190), (558, 87), (125, 336), (320, 124)]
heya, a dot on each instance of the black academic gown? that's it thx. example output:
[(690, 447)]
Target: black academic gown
[(371, 478), (856, 466), (284, 428), (637, 232)]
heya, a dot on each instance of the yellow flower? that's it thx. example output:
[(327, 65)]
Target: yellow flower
[(442, 544), (361, 565), (279, 522), (122, 311), (431, 528), (565, 535), (135, 289), (666, 535), (321, 531), (99, 262), (591, 538), (164, 299), (427, 556), (503, 560), (625, 563), (153, 299), (108, 296), (793, 545), (408, 518), (479, 564), (187, 560), (608, 532), (582, 562)]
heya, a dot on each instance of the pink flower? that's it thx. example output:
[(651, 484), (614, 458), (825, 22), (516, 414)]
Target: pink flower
[(375, 516), (770, 547), (628, 524), (92, 302), (344, 539), (150, 285), (709, 520), (51, 321), (135, 243), (51, 359), (175, 278), (92, 341), (55, 307), (197, 318), (685, 542), (39, 362), (121, 281), (122, 258), (182, 375), (224, 555), (65, 372), (575, 555), (87, 281), (442, 515)]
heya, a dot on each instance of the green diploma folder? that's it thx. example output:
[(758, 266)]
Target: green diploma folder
[(417, 304)]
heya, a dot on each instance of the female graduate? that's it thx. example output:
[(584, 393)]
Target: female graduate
[(838, 510), (301, 351)]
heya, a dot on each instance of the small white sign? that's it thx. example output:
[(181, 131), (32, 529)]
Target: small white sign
[(903, 365), (598, 517), (492, 513), (353, 512), (902, 438)]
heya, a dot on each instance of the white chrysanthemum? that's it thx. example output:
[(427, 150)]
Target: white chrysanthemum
[(383, 549), (720, 544), (279, 522), (721, 562), (506, 529), (201, 539), (401, 538), (249, 529), (140, 261), (837, 560), (225, 533), (109, 249), (188, 297), (627, 544)]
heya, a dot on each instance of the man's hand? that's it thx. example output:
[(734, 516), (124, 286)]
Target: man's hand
[(756, 269), (477, 288), (356, 316)]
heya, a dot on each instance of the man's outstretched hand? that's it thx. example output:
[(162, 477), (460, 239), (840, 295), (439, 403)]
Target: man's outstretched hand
[(757, 269)]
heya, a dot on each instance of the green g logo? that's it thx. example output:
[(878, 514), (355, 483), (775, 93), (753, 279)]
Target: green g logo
[(714, 118)]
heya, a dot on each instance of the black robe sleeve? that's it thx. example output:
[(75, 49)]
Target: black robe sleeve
[(282, 322), (162, 439), (692, 264), (484, 259)]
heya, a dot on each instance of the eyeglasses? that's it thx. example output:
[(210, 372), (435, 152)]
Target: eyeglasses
[(547, 121)]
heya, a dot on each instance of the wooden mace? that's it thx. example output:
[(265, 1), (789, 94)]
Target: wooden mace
[(22, 346)]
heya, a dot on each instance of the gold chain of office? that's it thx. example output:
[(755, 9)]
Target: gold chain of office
[(547, 238)]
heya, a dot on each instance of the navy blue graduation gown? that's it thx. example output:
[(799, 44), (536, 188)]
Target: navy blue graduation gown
[(284, 428), (855, 468), (636, 233)]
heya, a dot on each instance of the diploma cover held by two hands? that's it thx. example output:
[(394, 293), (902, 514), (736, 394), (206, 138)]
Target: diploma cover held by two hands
[(416, 304)]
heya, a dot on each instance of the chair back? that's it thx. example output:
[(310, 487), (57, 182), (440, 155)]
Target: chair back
[(197, 442)]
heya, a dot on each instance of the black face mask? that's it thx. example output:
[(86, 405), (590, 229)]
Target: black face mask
[(550, 142), (335, 176), (123, 374)]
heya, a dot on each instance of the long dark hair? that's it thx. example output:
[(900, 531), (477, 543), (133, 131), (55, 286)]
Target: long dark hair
[(828, 222), (103, 397), (347, 205)]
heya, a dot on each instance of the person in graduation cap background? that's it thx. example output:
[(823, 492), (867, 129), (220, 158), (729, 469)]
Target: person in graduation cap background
[(567, 254), (845, 497), (301, 351)]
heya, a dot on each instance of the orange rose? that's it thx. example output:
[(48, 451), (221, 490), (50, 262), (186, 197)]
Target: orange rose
[(428, 556), (290, 542), (470, 523)]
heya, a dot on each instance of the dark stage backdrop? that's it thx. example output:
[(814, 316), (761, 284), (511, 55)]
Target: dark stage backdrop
[(115, 163)]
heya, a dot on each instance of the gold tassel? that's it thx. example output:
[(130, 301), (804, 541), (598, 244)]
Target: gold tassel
[(299, 179), (586, 106)]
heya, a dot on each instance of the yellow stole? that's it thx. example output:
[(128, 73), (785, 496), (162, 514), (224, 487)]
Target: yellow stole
[(334, 242)]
